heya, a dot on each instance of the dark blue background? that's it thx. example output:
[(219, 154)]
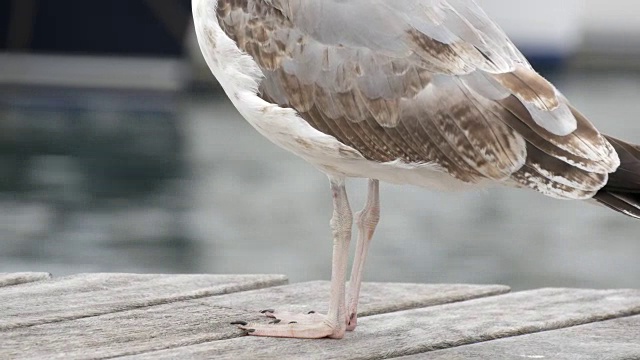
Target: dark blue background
[(116, 27)]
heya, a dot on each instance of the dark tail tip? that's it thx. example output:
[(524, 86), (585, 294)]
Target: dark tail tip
[(628, 204), (622, 192)]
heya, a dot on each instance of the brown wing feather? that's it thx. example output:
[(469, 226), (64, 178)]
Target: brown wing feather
[(417, 129), (585, 148), (414, 108)]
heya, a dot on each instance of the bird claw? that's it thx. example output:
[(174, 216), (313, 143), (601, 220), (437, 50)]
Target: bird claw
[(311, 329), (288, 324)]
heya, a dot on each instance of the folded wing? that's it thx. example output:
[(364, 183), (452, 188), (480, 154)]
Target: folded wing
[(422, 81)]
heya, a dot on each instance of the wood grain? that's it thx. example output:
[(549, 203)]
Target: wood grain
[(183, 323), (86, 295), (129, 316), (611, 339), (9, 279), (439, 327)]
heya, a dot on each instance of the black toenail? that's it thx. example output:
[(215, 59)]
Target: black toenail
[(243, 323), (268, 310), (293, 322), (275, 321), (311, 312)]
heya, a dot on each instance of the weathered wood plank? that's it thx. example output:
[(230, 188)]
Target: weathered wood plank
[(85, 295), (207, 319), (611, 339), (439, 327), (9, 279), (377, 298)]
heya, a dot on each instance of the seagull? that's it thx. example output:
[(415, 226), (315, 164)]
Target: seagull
[(422, 92)]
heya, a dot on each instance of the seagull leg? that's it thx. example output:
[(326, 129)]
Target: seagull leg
[(341, 223), (366, 220), (314, 325)]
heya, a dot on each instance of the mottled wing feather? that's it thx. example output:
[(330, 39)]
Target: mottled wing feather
[(585, 147), (448, 37), (423, 81)]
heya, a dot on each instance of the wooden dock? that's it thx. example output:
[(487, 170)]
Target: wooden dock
[(95, 316)]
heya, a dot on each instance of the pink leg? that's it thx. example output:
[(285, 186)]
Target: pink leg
[(366, 220), (333, 324)]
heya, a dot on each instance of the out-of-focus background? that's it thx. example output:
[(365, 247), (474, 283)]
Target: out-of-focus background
[(119, 153)]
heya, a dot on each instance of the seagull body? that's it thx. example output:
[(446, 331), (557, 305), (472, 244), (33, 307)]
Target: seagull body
[(423, 92)]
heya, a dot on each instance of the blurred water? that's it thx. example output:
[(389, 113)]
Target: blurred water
[(186, 185), (91, 181)]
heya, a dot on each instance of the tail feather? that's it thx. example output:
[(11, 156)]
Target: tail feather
[(622, 192), (620, 202)]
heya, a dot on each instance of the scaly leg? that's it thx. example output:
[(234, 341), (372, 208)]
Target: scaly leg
[(366, 220), (333, 324)]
